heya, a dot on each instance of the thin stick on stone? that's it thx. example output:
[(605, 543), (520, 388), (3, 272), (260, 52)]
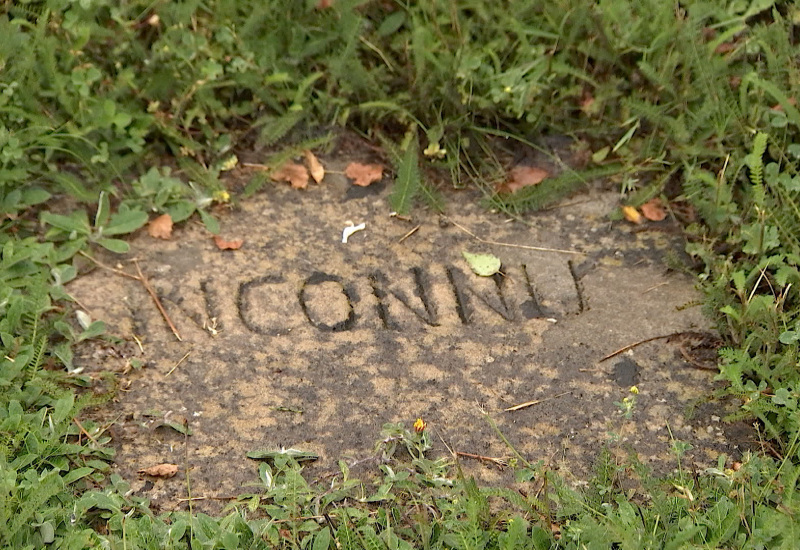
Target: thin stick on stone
[(512, 245), (98, 263), (640, 342), (181, 360), (407, 235), (153, 295), (494, 460), (534, 402)]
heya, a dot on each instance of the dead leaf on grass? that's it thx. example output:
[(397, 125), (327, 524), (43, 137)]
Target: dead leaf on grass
[(653, 210), (363, 174), (324, 4), (522, 176), (631, 214), (160, 227), (295, 174), (315, 167), (160, 470), (222, 244)]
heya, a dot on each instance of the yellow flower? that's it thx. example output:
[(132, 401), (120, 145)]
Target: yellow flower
[(229, 164), (634, 390), (222, 196), (435, 150), (420, 425)]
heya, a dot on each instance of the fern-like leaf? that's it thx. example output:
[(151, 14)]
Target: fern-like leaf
[(407, 182)]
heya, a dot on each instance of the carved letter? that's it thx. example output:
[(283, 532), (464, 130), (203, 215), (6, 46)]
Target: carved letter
[(323, 302), (381, 290), (461, 290), (179, 299), (247, 310)]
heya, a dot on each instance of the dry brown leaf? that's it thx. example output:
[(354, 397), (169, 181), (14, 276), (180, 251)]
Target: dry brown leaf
[(725, 47), (588, 104), (631, 214), (324, 4), (522, 176), (295, 174), (160, 227), (222, 244), (363, 174), (315, 167), (160, 470), (653, 210)]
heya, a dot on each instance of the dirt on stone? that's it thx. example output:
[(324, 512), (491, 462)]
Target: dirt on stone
[(299, 340)]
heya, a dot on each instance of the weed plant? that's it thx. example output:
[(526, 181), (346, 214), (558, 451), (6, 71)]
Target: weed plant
[(125, 109)]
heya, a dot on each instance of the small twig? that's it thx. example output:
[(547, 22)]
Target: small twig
[(181, 360), (138, 342), (83, 430), (534, 402), (82, 306), (407, 235), (254, 165), (512, 245), (640, 342), (153, 295), (501, 462), (108, 267), (655, 287)]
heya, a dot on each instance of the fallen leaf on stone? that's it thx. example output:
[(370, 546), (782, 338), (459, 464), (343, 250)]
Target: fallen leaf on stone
[(631, 214), (295, 174), (161, 227), (363, 174), (315, 167), (222, 244), (160, 470), (484, 265), (653, 210), (522, 176)]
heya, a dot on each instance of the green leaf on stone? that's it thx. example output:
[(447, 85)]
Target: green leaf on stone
[(484, 265), (210, 222)]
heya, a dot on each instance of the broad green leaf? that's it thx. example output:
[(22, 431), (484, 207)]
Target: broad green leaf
[(77, 222), (180, 210), (484, 265), (103, 210), (34, 195), (178, 427), (392, 23), (210, 221), (322, 541), (114, 245), (95, 329), (76, 474), (125, 221)]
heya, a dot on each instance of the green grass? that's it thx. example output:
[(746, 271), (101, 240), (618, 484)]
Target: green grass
[(130, 109)]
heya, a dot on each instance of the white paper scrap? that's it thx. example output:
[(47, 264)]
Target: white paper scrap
[(350, 229)]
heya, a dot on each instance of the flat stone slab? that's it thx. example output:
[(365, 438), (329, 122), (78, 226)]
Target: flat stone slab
[(299, 340)]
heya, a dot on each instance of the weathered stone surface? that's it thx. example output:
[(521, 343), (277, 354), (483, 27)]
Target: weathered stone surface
[(299, 340)]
